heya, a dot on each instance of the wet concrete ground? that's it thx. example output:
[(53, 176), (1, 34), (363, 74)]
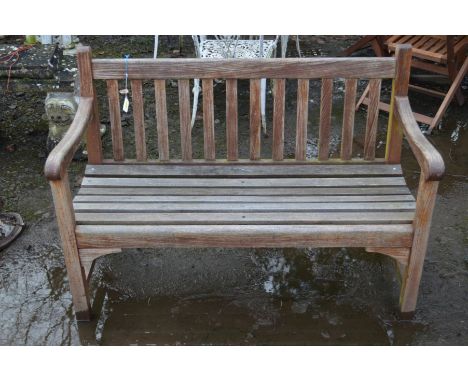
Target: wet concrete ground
[(221, 296)]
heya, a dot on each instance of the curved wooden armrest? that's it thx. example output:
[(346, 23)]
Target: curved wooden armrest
[(431, 162), (62, 154)]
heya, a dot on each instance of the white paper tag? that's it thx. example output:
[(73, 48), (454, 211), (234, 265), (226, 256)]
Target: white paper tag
[(126, 104)]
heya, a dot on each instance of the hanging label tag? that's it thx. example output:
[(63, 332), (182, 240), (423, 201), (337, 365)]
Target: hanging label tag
[(126, 104)]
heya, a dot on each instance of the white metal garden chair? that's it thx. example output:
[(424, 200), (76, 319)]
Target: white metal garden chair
[(234, 47), (231, 46)]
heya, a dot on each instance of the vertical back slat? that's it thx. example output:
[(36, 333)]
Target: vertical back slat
[(302, 118), (255, 119), (208, 120), (231, 120), (161, 119), (278, 119), (372, 118), (185, 126), (139, 120), (348, 119), (326, 102), (114, 115)]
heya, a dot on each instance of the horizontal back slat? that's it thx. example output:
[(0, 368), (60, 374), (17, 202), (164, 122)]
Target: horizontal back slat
[(189, 68)]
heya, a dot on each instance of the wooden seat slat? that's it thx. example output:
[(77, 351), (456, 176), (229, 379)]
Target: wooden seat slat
[(248, 207), (240, 198), (264, 218), (239, 171), (243, 183), (245, 191)]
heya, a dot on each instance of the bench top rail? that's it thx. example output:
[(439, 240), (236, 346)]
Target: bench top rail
[(189, 68)]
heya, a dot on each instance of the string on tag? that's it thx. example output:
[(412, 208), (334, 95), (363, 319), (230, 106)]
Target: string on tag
[(126, 102)]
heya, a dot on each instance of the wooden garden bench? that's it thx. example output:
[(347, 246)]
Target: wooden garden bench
[(252, 202)]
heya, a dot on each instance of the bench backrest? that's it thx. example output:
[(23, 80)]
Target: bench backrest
[(300, 70)]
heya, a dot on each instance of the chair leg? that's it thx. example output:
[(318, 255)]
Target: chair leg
[(422, 224), (66, 223), (450, 94), (262, 103), (196, 92)]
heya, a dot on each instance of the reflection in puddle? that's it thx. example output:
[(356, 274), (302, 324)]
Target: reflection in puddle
[(285, 297)]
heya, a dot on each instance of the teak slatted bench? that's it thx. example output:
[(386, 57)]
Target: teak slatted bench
[(254, 202)]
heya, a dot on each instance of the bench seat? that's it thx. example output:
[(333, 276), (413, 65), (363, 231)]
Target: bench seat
[(251, 205)]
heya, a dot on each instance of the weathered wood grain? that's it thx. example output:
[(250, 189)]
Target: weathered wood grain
[(93, 136), (243, 183), (161, 119), (255, 120), (239, 171), (188, 68), (114, 114), (326, 102), (348, 119), (185, 124), (244, 218), (302, 118), (139, 120), (283, 191), (208, 120), (66, 224), (428, 157), (62, 154), (244, 236), (241, 206), (425, 203), (372, 119), (240, 198), (399, 89), (278, 119), (231, 120)]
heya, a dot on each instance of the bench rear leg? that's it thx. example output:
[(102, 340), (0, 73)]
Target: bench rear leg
[(66, 223), (422, 224)]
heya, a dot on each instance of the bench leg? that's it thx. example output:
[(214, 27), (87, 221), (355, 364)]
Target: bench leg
[(66, 223), (422, 224)]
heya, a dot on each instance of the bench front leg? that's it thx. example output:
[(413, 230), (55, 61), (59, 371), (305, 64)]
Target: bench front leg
[(425, 203), (432, 170), (66, 224)]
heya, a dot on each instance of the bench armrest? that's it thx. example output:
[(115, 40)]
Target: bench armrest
[(429, 159), (61, 156)]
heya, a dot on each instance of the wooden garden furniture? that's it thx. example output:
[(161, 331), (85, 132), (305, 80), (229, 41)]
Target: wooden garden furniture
[(442, 55), (251, 202)]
